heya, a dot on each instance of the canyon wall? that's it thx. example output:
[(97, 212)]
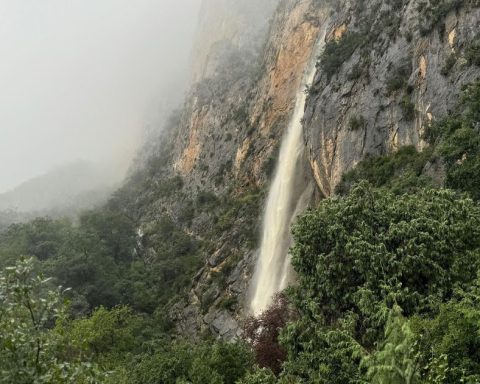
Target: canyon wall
[(389, 69)]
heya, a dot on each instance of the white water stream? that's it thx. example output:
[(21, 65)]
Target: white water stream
[(289, 194)]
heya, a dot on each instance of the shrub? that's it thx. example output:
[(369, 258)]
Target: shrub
[(355, 73), (186, 362), (433, 13), (457, 138), (338, 51), (408, 108), (262, 333), (399, 76), (206, 199), (472, 52), (357, 122), (449, 64), (30, 351), (400, 171)]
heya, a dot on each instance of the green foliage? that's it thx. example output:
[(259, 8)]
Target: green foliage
[(408, 108), (206, 199), (449, 64), (449, 343), (99, 258), (244, 208), (397, 360), (356, 122), (433, 13), (359, 259), (356, 72), (377, 245), (204, 363), (338, 51), (259, 376), (168, 187), (30, 351), (321, 354), (104, 332), (400, 172), (457, 139), (398, 78), (472, 52)]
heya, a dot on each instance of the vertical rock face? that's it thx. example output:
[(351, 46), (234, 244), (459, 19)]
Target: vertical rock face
[(237, 110), (227, 25), (389, 69), (403, 74), (230, 133)]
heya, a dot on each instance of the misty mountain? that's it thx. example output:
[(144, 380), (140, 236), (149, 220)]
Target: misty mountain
[(63, 191), (310, 213)]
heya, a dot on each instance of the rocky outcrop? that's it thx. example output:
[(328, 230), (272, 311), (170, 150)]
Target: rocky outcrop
[(401, 76), (225, 26), (231, 130), (234, 117), (387, 72)]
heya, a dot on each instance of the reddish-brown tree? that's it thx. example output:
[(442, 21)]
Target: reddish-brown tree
[(262, 332)]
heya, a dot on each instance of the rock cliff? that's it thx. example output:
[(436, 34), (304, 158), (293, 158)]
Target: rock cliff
[(389, 68), (404, 65)]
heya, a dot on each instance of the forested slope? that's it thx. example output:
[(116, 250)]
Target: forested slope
[(387, 257)]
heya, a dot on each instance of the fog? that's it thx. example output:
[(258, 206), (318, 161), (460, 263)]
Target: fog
[(80, 79)]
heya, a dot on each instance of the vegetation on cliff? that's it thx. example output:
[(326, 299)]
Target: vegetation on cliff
[(388, 269)]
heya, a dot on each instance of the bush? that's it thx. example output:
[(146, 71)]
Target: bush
[(408, 108), (399, 77), (30, 351), (457, 138), (206, 199), (202, 363), (449, 64), (400, 172), (338, 51), (433, 13), (367, 263), (355, 73), (472, 52), (357, 122)]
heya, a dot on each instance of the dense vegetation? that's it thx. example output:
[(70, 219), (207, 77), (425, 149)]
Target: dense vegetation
[(375, 272), (388, 270), (97, 258)]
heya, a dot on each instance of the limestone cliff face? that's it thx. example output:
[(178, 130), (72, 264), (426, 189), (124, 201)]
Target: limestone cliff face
[(405, 73), (230, 132), (226, 25), (390, 68), (235, 114)]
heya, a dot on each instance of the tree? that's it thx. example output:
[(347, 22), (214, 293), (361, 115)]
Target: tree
[(30, 351), (259, 376), (262, 333), (186, 362), (397, 360), (105, 332), (372, 246), (361, 256)]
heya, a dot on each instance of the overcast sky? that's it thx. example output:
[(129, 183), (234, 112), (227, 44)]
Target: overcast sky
[(79, 79)]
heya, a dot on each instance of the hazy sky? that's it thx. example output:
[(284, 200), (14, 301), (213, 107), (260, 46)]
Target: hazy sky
[(79, 79)]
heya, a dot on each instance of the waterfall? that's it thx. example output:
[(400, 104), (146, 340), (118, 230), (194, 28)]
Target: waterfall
[(288, 196)]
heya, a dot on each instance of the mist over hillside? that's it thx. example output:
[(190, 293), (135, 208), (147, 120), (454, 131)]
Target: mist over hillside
[(82, 79), (69, 187), (304, 207)]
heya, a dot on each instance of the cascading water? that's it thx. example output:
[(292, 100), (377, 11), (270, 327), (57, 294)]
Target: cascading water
[(289, 194)]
